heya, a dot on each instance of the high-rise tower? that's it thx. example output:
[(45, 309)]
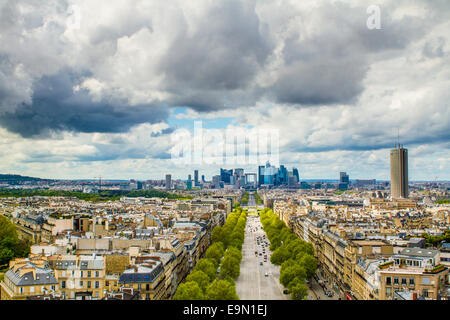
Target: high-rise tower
[(399, 172)]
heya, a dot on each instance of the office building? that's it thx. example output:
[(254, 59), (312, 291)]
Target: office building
[(295, 173), (399, 172), (168, 181), (196, 182), (225, 175), (344, 181)]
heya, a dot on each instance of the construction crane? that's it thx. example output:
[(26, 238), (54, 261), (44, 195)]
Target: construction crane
[(99, 183)]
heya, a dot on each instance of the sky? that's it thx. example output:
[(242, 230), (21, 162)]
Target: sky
[(101, 88)]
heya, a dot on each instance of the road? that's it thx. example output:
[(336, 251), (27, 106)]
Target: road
[(253, 284)]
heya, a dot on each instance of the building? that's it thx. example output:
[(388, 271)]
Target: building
[(399, 172), (28, 277), (344, 181), (414, 270), (225, 175), (168, 181), (196, 181), (79, 275), (295, 173), (147, 278)]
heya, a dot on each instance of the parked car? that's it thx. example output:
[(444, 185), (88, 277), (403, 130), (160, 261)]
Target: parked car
[(266, 275), (286, 291), (260, 263)]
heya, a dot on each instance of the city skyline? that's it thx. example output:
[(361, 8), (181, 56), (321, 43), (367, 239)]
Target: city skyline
[(84, 95)]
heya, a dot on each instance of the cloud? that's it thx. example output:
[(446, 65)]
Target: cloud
[(56, 106), (311, 69)]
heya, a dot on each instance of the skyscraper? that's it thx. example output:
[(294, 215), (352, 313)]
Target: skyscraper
[(196, 182), (399, 172), (225, 175), (168, 181), (295, 173), (344, 181), (260, 175)]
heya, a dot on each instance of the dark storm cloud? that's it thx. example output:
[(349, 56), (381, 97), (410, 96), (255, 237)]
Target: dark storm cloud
[(329, 67), (56, 107), (223, 55)]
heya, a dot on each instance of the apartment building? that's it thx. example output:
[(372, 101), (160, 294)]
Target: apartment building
[(28, 277), (416, 270), (147, 278), (78, 275)]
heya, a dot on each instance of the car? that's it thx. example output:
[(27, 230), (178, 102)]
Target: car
[(266, 275), (260, 263), (286, 291)]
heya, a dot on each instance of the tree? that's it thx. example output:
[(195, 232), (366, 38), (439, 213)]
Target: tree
[(234, 252), (298, 289), (215, 252), (217, 234), (229, 267), (208, 267), (221, 290), (310, 264), (201, 278), (10, 245), (280, 255), (290, 273), (189, 291)]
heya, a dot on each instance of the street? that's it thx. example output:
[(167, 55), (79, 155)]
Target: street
[(253, 284)]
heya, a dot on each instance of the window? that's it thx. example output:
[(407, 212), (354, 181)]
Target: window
[(63, 284), (403, 281), (89, 274), (388, 292), (89, 284), (96, 274), (32, 289), (81, 274), (147, 287), (97, 285), (388, 280), (81, 283), (107, 283), (395, 281), (425, 280), (425, 293), (411, 281)]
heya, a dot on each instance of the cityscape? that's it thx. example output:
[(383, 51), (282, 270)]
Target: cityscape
[(261, 154), (365, 240)]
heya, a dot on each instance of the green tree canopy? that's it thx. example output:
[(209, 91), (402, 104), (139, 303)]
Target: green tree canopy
[(201, 278), (298, 289), (230, 267), (221, 290), (215, 252), (207, 266), (189, 291)]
